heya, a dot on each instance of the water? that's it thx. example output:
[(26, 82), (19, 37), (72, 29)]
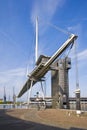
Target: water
[(11, 106)]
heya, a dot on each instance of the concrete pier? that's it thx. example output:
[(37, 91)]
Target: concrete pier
[(60, 83)]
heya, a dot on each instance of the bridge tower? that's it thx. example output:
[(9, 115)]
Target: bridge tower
[(60, 83)]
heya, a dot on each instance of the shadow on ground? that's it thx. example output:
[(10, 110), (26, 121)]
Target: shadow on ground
[(8, 122)]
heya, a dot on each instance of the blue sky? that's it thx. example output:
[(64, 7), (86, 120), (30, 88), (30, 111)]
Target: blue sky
[(17, 39)]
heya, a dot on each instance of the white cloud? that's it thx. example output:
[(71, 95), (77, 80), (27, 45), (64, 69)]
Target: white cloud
[(76, 29), (10, 78), (45, 10), (82, 55), (82, 73), (15, 72), (9, 74), (14, 78)]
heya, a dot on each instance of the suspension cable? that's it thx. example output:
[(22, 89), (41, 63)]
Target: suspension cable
[(66, 55), (65, 32), (59, 29)]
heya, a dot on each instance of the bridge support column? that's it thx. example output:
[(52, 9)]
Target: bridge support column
[(60, 83)]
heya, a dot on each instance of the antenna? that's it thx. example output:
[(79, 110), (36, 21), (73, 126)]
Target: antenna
[(36, 48)]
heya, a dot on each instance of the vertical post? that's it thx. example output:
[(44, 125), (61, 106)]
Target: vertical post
[(42, 90), (78, 106), (29, 94), (36, 49)]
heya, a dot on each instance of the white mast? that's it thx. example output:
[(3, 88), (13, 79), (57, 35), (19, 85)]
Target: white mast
[(36, 48)]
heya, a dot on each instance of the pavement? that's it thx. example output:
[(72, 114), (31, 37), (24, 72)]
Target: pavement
[(31, 120)]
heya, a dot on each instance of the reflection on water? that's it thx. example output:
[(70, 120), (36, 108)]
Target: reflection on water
[(21, 106), (10, 106), (83, 106)]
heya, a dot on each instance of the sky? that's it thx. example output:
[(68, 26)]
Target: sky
[(17, 40)]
